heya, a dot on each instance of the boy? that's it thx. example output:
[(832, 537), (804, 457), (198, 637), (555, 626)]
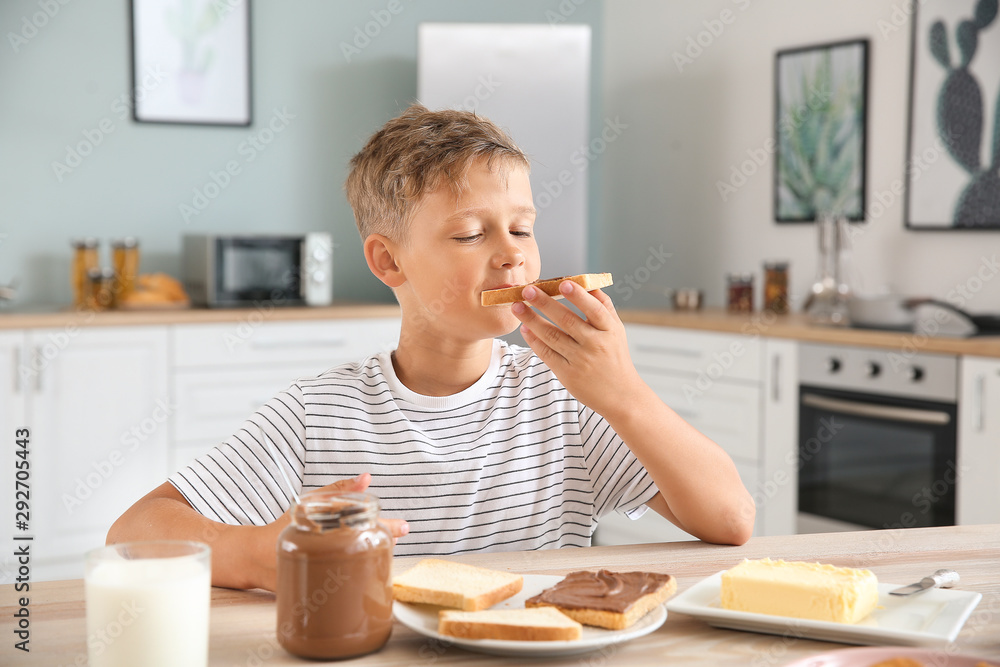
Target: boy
[(470, 444)]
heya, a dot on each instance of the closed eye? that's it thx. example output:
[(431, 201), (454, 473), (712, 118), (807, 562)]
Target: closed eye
[(467, 239), (526, 235)]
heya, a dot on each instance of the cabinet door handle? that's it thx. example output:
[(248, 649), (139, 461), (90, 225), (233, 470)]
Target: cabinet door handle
[(39, 368), (980, 402), (776, 378)]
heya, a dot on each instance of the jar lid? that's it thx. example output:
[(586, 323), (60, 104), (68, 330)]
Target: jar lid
[(777, 266), (100, 273), (125, 242), (87, 242), (324, 510)]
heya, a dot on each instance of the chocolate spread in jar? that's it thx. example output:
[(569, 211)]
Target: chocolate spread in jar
[(603, 590), (334, 594)]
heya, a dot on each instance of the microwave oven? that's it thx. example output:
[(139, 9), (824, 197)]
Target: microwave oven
[(243, 270)]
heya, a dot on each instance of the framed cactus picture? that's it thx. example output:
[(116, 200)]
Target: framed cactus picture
[(191, 62), (953, 156), (821, 101)]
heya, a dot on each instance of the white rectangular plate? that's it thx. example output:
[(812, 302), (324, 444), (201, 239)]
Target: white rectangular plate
[(931, 618)]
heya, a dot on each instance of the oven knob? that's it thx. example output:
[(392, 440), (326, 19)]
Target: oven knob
[(833, 365), (872, 369), (916, 373)]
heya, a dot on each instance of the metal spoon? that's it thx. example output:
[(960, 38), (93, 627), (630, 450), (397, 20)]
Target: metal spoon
[(940, 579)]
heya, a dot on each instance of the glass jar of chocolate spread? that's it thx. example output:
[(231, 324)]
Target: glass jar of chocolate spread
[(334, 592)]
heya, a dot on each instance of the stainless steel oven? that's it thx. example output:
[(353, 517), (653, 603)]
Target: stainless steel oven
[(877, 438)]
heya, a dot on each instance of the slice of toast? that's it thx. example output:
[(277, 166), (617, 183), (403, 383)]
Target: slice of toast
[(449, 584), (589, 281), (532, 625), (612, 600)]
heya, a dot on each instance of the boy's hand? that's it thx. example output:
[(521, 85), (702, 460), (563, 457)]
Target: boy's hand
[(267, 543), (589, 356)]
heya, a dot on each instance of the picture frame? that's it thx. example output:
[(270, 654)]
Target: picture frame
[(191, 62), (952, 169), (821, 132)]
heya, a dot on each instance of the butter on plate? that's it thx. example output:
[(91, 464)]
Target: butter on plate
[(800, 590)]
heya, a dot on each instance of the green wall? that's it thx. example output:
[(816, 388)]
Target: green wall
[(64, 82)]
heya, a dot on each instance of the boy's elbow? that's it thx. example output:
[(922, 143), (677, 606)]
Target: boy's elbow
[(736, 526), (741, 522)]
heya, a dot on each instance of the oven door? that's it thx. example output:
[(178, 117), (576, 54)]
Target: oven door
[(258, 269), (875, 461)]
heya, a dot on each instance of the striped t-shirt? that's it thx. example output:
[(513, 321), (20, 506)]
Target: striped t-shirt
[(514, 462)]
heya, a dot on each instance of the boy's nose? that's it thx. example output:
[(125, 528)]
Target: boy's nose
[(508, 256)]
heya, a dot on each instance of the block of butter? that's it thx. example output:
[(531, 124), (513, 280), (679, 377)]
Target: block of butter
[(800, 590)]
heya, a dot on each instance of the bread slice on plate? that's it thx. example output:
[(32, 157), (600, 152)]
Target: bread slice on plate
[(541, 624), (588, 281), (612, 600), (449, 584)]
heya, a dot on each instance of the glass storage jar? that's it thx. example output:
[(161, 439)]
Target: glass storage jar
[(334, 592)]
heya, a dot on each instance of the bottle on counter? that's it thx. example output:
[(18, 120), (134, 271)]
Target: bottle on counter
[(776, 287), (84, 260), (100, 289), (334, 591), (125, 259), (739, 292)]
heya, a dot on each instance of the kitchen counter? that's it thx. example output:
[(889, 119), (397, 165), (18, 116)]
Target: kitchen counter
[(795, 326), (69, 317), (243, 622)]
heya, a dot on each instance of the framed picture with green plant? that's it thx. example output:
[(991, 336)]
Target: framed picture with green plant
[(821, 99), (191, 61), (952, 170)]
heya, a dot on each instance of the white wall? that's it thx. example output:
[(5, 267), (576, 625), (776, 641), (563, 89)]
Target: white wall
[(688, 128)]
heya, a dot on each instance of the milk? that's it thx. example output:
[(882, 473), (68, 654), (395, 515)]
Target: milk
[(151, 612)]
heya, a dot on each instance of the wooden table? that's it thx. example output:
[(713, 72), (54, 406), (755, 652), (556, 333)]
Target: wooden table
[(243, 621)]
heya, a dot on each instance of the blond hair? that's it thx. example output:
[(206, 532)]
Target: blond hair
[(414, 154)]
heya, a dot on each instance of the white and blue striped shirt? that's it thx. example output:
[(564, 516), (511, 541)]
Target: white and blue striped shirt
[(514, 462)]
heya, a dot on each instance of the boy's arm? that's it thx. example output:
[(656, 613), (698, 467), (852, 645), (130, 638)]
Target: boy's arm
[(699, 487), (242, 556)]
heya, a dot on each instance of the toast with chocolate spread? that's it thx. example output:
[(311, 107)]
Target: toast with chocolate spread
[(613, 600), (588, 281)]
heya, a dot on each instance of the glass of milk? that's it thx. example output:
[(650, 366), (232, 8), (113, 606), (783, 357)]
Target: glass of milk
[(147, 604)]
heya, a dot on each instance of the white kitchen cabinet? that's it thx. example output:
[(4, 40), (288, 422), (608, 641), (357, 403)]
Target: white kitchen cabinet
[(776, 491), (224, 372), (978, 490), (714, 381), (13, 416), (99, 410)]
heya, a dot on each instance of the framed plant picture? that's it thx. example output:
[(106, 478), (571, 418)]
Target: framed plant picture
[(191, 61), (953, 153), (820, 131)]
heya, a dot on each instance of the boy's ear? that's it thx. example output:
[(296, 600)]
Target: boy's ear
[(380, 255)]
